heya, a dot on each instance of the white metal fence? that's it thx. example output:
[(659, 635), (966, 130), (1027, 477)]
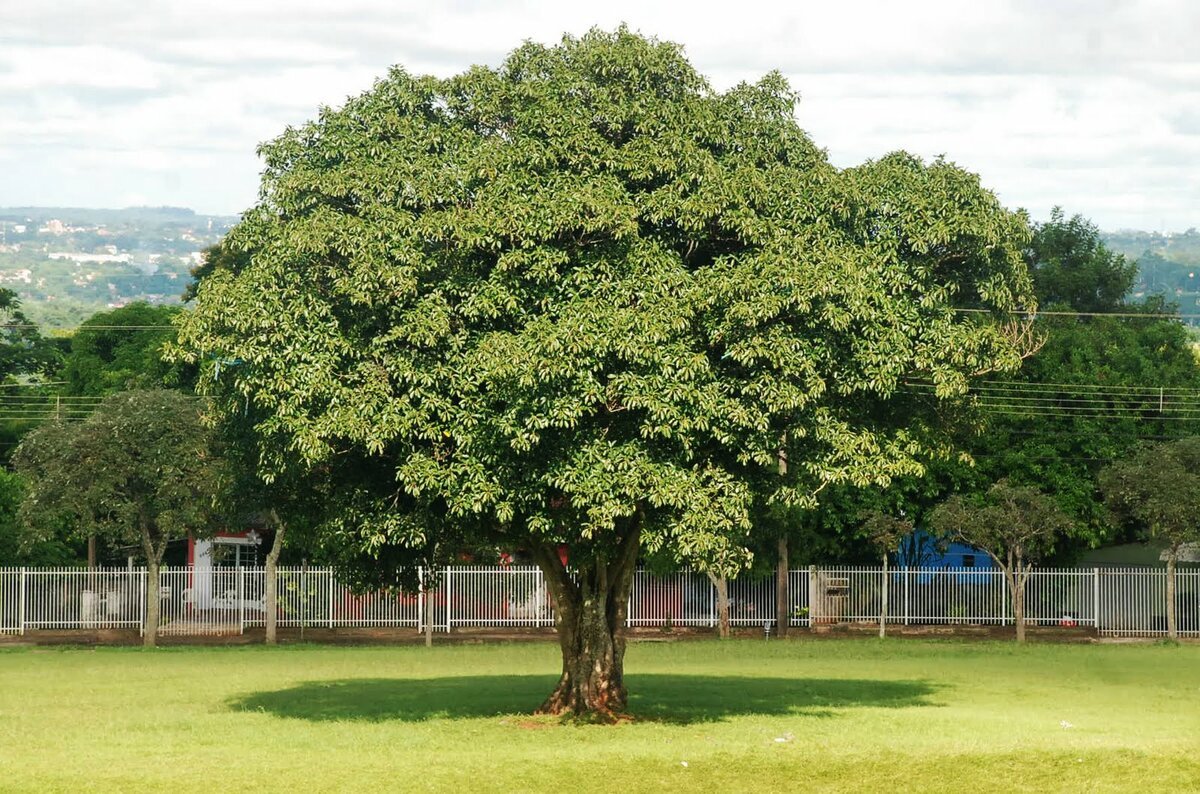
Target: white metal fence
[(216, 601)]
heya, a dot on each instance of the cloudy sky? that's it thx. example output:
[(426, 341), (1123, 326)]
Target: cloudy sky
[(1091, 105)]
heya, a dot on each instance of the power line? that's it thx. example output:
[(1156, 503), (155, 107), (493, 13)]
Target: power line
[(1022, 384), (1028, 412), (35, 326), (1040, 313)]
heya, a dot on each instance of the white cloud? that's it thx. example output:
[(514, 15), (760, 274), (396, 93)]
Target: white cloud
[(1085, 103)]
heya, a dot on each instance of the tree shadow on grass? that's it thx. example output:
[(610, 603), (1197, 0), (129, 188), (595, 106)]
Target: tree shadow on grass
[(676, 699)]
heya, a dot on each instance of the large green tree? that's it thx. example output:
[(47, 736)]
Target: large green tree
[(583, 300), (140, 470)]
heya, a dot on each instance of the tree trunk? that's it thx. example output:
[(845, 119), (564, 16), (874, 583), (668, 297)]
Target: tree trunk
[(1172, 625), (91, 552), (1016, 582), (883, 609), (150, 632), (783, 600), (722, 586), (591, 608), (270, 594)]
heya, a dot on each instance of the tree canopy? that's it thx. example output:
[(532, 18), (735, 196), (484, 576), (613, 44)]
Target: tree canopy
[(585, 300), (122, 349), (1072, 266)]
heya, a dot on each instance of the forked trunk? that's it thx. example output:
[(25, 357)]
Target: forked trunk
[(1172, 624), (591, 607), (721, 584), (270, 588)]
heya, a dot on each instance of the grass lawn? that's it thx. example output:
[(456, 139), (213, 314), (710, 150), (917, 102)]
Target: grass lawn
[(744, 715)]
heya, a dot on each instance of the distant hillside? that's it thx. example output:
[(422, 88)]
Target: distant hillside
[(1168, 264), (66, 263)]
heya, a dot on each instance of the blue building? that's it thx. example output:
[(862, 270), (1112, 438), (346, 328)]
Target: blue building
[(922, 550)]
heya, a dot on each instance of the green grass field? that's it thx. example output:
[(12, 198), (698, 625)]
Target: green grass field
[(742, 715)]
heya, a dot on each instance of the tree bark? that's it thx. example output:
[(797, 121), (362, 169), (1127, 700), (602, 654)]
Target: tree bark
[(722, 586), (591, 608), (150, 632), (154, 555), (1172, 625), (783, 600), (91, 552), (270, 587), (1016, 581)]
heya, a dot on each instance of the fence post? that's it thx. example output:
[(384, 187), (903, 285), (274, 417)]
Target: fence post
[(330, 580), (142, 602), (1005, 599), (21, 624), (1096, 598), (421, 596), (712, 602), (812, 596), (449, 601), (241, 597)]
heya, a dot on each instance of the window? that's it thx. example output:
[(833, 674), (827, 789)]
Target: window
[(968, 561)]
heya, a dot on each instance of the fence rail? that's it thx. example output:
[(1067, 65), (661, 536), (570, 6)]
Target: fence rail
[(218, 601)]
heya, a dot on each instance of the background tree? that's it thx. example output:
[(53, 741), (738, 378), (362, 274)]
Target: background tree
[(15, 546), (578, 300), (1157, 490), (122, 349), (139, 470), (1098, 386), (1073, 268), (1016, 525), (113, 351), (25, 356)]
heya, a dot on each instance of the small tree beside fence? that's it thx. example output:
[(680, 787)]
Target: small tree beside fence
[(1015, 525), (1158, 489)]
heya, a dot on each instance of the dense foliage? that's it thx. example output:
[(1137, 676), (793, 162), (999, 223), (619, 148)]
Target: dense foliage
[(121, 349)]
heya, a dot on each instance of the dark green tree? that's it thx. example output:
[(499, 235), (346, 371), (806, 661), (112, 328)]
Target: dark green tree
[(1073, 268), (15, 548), (1098, 385), (121, 349), (1157, 490), (585, 300), (140, 470)]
